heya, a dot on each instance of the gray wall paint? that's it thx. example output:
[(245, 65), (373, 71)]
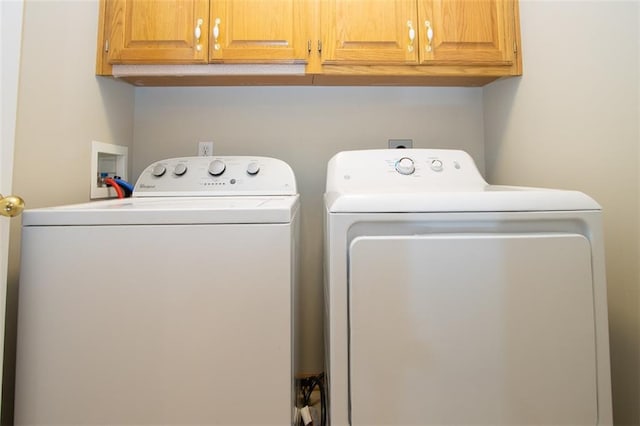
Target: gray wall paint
[(572, 122), (304, 126)]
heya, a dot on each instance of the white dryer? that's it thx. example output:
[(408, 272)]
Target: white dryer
[(171, 307), (449, 301)]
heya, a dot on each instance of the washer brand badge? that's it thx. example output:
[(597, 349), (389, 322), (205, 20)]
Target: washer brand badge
[(143, 186)]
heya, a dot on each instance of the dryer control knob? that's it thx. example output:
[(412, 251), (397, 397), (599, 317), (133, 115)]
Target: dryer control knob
[(436, 165), (253, 168), (405, 166), (217, 167), (158, 170), (180, 169)]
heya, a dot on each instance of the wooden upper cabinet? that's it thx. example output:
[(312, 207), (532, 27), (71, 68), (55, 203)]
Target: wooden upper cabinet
[(369, 31), (158, 32), (260, 31), (467, 32), (345, 42)]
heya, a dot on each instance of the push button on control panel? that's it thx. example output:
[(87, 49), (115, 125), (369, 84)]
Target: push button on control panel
[(436, 165)]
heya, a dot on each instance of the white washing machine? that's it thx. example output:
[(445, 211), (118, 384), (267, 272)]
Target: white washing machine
[(453, 302), (171, 307)]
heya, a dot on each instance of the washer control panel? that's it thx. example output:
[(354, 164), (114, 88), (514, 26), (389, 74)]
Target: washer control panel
[(216, 176), (402, 170)]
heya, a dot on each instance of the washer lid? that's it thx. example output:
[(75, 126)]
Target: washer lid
[(168, 211), (431, 180)]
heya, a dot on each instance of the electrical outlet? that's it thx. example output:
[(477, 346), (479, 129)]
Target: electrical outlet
[(205, 149), (400, 143)]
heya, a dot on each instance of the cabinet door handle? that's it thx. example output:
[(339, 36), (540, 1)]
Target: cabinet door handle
[(429, 35), (216, 34), (412, 35), (197, 32)]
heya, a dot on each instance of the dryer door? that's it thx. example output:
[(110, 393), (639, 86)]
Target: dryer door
[(472, 329)]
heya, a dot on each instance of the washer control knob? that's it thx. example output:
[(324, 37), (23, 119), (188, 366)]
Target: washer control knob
[(158, 170), (436, 165), (217, 167), (180, 169), (405, 166), (253, 168)]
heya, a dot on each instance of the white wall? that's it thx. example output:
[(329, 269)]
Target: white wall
[(62, 107), (304, 126), (572, 122)]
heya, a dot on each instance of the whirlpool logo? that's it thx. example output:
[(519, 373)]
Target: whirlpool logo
[(143, 186)]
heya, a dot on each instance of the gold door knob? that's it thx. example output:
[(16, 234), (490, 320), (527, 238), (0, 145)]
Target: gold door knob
[(11, 206)]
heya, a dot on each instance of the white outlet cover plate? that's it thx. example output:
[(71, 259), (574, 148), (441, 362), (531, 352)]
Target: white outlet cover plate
[(205, 149)]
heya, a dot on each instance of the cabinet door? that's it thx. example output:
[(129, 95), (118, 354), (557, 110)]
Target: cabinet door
[(369, 31), (464, 32), (157, 31), (260, 31)]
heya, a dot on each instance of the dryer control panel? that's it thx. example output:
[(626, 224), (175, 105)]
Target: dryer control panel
[(402, 170), (216, 176)]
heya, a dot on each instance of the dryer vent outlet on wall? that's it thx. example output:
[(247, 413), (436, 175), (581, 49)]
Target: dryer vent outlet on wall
[(107, 160)]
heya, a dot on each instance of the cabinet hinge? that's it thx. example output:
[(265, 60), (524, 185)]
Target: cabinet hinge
[(515, 48), (106, 45), (319, 46)]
